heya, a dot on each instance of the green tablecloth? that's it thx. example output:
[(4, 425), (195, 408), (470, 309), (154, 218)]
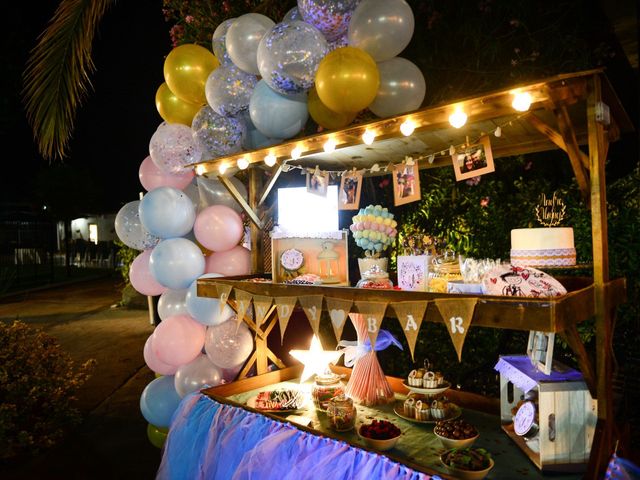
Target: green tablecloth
[(418, 444)]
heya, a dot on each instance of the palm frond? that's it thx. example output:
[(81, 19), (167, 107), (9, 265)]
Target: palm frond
[(57, 74)]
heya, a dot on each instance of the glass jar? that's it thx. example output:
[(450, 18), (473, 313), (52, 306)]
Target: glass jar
[(443, 269), (325, 388), (375, 278), (341, 413)]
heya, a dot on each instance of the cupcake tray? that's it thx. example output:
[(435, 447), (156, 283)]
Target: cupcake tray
[(398, 409), (429, 391)]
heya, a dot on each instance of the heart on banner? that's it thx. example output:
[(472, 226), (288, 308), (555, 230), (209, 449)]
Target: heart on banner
[(338, 310), (457, 314), (312, 306), (285, 307)]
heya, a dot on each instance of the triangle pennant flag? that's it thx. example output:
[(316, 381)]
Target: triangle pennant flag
[(285, 307), (410, 315), (457, 314), (312, 306), (261, 305), (373, 313), (224, 291), (338, 311), (243, 302)]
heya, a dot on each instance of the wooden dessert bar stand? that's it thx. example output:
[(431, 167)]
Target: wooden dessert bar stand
[(567, 112)]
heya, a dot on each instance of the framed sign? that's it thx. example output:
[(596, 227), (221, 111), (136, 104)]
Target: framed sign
[(540, 350), (473, 160)]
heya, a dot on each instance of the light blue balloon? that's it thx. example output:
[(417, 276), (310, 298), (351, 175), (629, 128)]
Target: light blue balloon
[(276, 115), (228, 90), (289, 55), (159, 401), (206, 310), (176, 262), (253, 138), (167, 212)]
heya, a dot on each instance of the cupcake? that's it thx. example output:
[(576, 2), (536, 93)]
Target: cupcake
[(415, 377), (429, 380), (439, 378), (439, 409), (423, 412), (410, 407)]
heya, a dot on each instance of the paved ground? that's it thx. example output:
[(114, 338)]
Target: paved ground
[(112, 441)]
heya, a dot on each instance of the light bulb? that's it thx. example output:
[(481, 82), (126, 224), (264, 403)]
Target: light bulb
[(199, 169), (458, 118), (222, 168), (270, 160), (521, 101), (407, 127), (368, 137), (330, 145), (296, 153), (242, 163)]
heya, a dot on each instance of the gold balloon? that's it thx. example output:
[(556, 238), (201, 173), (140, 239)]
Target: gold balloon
[(347, 80), (173, 109), (186, 70), (325, 117)]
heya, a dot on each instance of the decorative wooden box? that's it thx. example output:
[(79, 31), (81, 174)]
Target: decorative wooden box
[(324, 254), (564, 418), (413, 272)]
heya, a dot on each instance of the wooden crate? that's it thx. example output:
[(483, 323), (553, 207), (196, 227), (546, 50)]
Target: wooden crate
[(567, 415)]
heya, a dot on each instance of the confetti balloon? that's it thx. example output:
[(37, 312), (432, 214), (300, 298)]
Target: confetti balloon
[(402, 88), (293, 14), (218, 42), (347, 80), (186, 69), (216, 135), (228, 344), (172, 148), (167, 212), (172, 108), (243, 38), (289, 55), (382, 28), (277, 115), (331, 17), (130, 230), (228, 90)]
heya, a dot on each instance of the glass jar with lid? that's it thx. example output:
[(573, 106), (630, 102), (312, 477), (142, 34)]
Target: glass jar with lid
[(341, 413), (326, 387), (443, 269), (375, 278)]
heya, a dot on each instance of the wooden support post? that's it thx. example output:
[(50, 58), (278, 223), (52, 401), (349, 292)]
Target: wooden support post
[(255, 187), (270, 184), (554, 136), (572, 337), (248, 209), (603, 442)]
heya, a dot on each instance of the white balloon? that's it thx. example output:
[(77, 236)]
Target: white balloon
[(172, 302), (243, 38), (402, 88), (213, 192), (195, 375)]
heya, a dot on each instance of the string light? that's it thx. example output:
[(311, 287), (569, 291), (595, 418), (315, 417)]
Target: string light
[(407, 127), (330, 145), (296, 153), (199, 169), (368, 137), (270, 159), (521, 101), (242, 163), (222, 168), (458, 118)]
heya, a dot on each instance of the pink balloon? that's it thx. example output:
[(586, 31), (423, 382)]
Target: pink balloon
[(374, 226), (178, 340), (389, 230), (152, 177), (141, 278), (218, 228), (367, 224), (152, 361), (236, 261)]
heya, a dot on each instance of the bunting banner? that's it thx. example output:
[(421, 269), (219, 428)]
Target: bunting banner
[(457, 314), (373, 313), (243, 302), (338, 311), (224, 290), (410, 316), (285, 307), (312, 306), (261, 305)]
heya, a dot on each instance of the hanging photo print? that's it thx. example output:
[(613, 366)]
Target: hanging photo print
[(318, 183), (473, 160), (406, 183), (349, 195)]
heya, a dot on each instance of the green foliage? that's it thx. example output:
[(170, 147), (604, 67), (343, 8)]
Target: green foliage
[(125, 257), (37, 383)]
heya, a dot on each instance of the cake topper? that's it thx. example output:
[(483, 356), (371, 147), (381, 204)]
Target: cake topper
[(550, 211)]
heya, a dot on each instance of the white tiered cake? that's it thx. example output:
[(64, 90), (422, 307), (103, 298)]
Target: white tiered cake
[(542, 247)]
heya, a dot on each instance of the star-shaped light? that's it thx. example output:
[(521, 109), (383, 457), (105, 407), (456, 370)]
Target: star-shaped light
[(315, 360)]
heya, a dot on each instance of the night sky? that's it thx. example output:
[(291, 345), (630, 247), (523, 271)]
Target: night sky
[(114, 125)]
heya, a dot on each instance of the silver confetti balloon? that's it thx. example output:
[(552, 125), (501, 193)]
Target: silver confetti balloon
[(216, 135), (228, 90), (218, 40), (130, 230), (172, 148), (331, 17), (289, 55)]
